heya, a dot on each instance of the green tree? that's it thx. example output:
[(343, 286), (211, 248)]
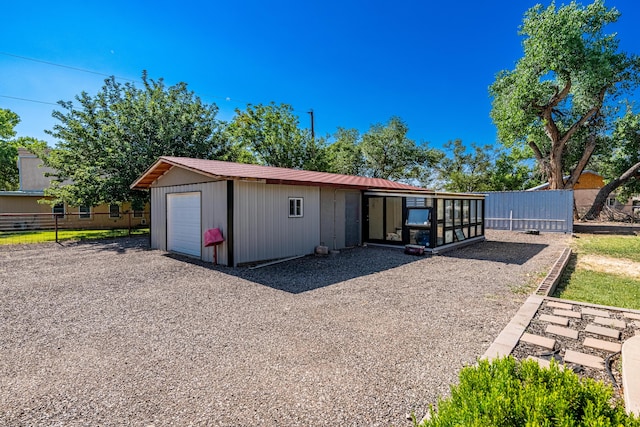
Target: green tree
[(8, 150), (388, 153), (463, 170), (106, 141), (621, 168), (345, 155), (271, 135), (512, 169), (9, 174), (559, 98)]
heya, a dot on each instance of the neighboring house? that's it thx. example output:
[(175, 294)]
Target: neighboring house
[(25, 200), (586, 190), (268, 213)]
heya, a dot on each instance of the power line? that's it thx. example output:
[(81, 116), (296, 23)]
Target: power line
[(26, 58), (28, 100), (66, 66)]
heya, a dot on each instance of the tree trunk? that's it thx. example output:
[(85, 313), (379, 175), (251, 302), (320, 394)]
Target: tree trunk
[(604, 192)]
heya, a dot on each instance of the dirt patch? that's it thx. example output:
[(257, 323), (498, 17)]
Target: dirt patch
[(603, 264)]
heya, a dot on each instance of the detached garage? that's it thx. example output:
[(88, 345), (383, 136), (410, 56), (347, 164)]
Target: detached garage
[(267, 213)]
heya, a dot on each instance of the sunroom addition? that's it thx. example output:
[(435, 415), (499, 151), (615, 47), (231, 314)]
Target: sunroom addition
[(429, 220)]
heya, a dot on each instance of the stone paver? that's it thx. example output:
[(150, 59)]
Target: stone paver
[(634, 316), (600, 330), (538, 340), (594, 312), (554, 319), (610, 322), (583, 359), (567, 313), (559, 330), (561, 305), (613, 347), (510, 335)]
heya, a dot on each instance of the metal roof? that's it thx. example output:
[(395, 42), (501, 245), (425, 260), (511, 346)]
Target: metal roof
[(271, 175)]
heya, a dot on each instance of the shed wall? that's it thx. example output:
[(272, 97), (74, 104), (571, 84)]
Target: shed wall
[(332, 221), (548, 211), (263, 229), (214, 214)]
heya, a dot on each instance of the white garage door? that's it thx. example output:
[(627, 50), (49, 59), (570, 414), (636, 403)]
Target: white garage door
[(183, 223)]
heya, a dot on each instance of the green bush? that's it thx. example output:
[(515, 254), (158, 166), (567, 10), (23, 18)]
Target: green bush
[(506, 392)]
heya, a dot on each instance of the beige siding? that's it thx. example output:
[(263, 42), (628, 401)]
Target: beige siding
[(32, 172), (263, 229), (179, 176), (213, 215)]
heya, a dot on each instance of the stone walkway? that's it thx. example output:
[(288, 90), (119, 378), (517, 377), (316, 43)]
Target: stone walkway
[(576, 334)]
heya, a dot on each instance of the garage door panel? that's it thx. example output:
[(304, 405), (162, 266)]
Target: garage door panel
[(183, 223)]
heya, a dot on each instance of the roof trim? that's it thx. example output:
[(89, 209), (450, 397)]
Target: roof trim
[(219, 170)]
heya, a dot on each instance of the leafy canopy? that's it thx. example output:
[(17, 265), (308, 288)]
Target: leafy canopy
[(106, 141), (270, 135), (388, 153), (560, 95)]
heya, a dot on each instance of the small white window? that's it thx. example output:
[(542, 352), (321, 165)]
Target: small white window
[(114, 210), (295, 207), (611, 201), (84, 211)]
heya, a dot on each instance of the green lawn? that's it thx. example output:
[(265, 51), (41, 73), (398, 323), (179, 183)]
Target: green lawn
[(627, 247), (599, 288), (602, 287), (22, 237)]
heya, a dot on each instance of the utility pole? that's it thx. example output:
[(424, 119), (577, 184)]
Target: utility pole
[(313, 133)]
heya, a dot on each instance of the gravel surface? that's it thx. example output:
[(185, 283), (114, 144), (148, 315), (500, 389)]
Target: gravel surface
[(111, 333)]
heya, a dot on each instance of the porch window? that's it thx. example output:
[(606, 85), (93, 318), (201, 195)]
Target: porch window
[(296, 207), (84, 212), (114, 210)]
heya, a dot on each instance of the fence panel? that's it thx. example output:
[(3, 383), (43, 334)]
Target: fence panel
[(41, 227), (546, 211)]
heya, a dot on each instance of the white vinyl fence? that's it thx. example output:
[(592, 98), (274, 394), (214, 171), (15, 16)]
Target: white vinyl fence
[(546, 210)]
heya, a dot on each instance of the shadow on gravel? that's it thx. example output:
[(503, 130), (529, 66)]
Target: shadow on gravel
[(503, 252), (314, 272), (117, 244)]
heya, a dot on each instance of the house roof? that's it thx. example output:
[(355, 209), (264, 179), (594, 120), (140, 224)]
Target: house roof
[(268, 174), (565, 178)]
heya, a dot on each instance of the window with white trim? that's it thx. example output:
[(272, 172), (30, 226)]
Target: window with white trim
[(84, 212), (296, 207), (114, 210)]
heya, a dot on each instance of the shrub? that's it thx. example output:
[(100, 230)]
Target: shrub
[(506, 392)]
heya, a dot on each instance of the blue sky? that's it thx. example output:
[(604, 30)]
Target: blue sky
[(353, 63)]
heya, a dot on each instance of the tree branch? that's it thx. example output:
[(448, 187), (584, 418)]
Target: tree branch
[(584, 160), (584, 118), (540, 157), (604, 192)]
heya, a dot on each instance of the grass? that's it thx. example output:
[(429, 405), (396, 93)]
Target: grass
[(21, 237), (602, 287), (626, 247)]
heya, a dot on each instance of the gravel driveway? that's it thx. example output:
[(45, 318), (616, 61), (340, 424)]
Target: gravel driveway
[(111, 333)]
